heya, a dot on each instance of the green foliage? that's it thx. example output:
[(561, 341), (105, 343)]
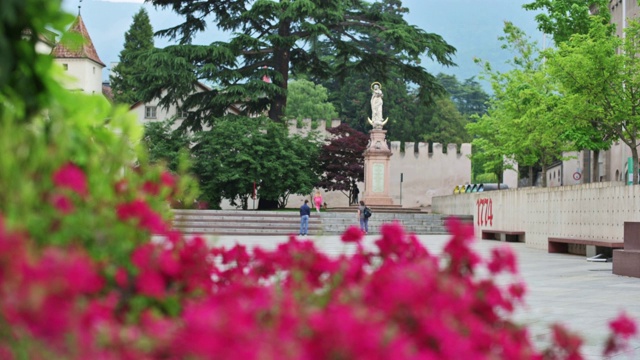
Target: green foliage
[(447, 125), (277, 39), (239, 151), (25, 75), (597, 72), (525, 122), (486, 178), (468, 96), (563, 18), (138, 42), (306, 100), (165, 145), (44, 129)]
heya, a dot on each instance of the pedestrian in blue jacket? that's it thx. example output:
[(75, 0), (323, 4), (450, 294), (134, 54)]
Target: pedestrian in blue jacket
[(305, 213)]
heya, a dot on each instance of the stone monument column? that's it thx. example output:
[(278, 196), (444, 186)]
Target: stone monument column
[(377, 155)]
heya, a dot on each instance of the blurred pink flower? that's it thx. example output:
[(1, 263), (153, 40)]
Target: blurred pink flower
[(352, 234), (71, 177)]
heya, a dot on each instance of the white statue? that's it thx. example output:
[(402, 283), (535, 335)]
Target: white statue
[(376, 107)]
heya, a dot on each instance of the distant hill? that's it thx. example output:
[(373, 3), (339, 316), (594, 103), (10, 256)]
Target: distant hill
[(473, 27)]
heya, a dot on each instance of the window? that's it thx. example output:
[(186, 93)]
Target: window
[(150, 112), (182, 114), (94, 69), (65, 67)]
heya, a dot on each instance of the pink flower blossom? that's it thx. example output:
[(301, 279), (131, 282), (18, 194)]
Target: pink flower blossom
[(353, 234), (624, 326), (70, 176), (151, 284), (503, 259), (147, 218), (62, 203)]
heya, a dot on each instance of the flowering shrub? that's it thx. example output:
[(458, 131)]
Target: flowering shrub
[(183, 299), (80, 278)]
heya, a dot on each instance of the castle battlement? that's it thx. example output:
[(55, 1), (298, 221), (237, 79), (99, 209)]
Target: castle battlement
[(307, 126), (424, 150)]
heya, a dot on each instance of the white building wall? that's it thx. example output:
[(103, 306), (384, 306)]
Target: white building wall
[(84, 75), (592, 211)]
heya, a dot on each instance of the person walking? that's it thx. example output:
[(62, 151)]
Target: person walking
[(364, 221), (305, 213), (317, 200), (354, 192)]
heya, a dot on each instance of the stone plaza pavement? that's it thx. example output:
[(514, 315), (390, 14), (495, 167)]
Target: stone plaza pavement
[(561, 288)]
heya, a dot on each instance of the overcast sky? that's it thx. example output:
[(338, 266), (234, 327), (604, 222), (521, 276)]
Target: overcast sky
[(472, 26)]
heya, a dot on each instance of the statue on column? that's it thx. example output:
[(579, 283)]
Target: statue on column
[(376, 107)]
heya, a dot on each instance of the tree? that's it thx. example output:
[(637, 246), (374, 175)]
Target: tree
[(275, 39), (447, 125), (307, 100), (165, 145), (468, 96), (341, 160), (524, 114), (563, 18), (239, 151), (138, 41), (599, 71)]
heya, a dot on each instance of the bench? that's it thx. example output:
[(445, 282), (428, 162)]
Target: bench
[(626, 262), (503, 235), (593, 247)]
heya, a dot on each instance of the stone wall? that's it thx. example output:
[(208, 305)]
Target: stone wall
[(591, 211), (425, 173)]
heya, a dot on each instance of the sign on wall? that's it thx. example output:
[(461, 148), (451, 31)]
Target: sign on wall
[(485, 212)]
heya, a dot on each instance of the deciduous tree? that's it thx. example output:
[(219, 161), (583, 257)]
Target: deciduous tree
[(239, 151), (563, 18), (524, 113), (600, 72), (307, 100), (341, 160)]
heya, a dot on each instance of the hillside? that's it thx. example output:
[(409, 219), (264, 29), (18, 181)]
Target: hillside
[(473, 27)]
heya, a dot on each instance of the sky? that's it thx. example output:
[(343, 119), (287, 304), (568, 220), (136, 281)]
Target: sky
[(472, 26)]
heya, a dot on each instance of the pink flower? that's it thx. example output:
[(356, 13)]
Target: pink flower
[(502, 259), (142, 256), (624, 326), (167, 179), (353, 234), (62, 204), (121, 277), (147, 218), (169, 263), (150, 283), (70, 176)]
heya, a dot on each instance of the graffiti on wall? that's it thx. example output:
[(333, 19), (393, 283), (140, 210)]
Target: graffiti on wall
[(485, 212)]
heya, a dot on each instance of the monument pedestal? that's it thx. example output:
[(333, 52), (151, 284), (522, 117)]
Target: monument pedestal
[(376, 170)]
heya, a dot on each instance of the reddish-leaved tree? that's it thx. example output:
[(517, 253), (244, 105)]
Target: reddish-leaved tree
[(342, 160)]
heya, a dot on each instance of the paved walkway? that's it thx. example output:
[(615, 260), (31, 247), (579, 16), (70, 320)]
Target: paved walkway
[(561, 288)]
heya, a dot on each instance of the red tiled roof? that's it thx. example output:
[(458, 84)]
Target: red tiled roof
[(85, 51)]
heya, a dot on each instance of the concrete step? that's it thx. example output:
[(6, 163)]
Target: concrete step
[(248, 222)]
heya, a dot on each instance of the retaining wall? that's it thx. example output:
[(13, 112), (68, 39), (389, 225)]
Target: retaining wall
[(591, 211)]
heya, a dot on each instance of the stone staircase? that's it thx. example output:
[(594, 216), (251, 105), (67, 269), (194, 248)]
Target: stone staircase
[(242, 222), (251, 222)]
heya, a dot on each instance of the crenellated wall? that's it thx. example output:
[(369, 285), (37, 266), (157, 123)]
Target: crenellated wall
[(425, 173)]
